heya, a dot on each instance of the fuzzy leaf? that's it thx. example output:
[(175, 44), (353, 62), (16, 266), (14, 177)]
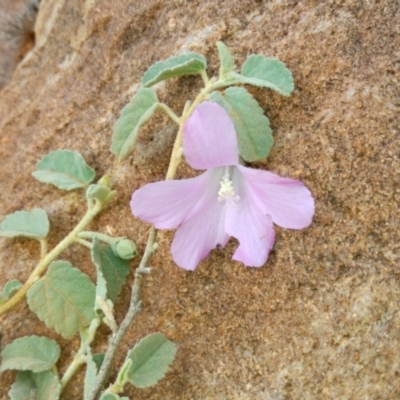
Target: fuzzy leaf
[(11, 287), (64, 299), (32, 353), (98, 358), (32, 224), (252, 126), (110, 396), (111, 271), (227, 62), (262, 71), (149, 360), (90, 375), (30, 386), (185, 64), (133, 116), (64, 169)]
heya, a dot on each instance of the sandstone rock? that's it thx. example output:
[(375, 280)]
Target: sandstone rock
[(321, 319)]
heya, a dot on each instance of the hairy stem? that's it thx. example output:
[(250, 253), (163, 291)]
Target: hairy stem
[(91, 235), (82, 354), (169, 112), (43, 248), (79, 359), (134, 308), (51, 256), (84, 242)]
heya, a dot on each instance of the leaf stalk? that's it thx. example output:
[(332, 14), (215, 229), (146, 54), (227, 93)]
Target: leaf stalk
[(51, 256)]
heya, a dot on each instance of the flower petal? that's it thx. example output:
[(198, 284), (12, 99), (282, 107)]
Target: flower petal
[(167, 204), (250, 226), (209, 138), (198, 235), (289, 203)]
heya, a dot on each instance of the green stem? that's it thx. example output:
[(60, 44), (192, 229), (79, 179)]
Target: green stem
[(79, 359), (43, 248), (135, 303), (176, 155), (169, 112), (84, 242), (204, 76), (51, 256), (81, 356), (101, 236)]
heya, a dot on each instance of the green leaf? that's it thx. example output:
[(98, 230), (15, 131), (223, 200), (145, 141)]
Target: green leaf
[(32, 224), (149, 361), (110, 396), (10, 288), (185, 64), (98, 359), (30, 386), (90, 375), (24, 387), (32, 353), (227, 62), (65, 169), (111, 271), (93, 364), (64, 299), (262, 71), (101, 193), (133, 116), (252, 126)]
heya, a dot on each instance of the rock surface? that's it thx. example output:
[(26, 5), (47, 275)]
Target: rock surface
[(321, 319)]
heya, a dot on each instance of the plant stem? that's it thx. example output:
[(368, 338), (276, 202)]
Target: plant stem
[(134, 308), (84, 242), (82, 354), (204, 76), (135, 303), (169, 112), (79, 359), (51, 256), (43, 248), (91, 235)]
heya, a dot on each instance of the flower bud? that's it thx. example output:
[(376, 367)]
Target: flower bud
[(101, 193), (105, 180), (124, 248)]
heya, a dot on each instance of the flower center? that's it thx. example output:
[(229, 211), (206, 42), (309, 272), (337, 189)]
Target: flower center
[(226, 192)]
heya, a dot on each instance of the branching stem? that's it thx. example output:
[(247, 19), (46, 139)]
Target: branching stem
[(51, 256), (82, 354), (169, 112), (135, 303), (134, 308)]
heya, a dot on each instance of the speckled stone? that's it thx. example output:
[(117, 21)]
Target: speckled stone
[(321, 319)]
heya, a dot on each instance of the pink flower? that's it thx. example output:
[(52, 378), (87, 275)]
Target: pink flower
[(226, 200)]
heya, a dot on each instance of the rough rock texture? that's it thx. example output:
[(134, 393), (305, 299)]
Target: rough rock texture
[(17, 37), (321, 319)]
